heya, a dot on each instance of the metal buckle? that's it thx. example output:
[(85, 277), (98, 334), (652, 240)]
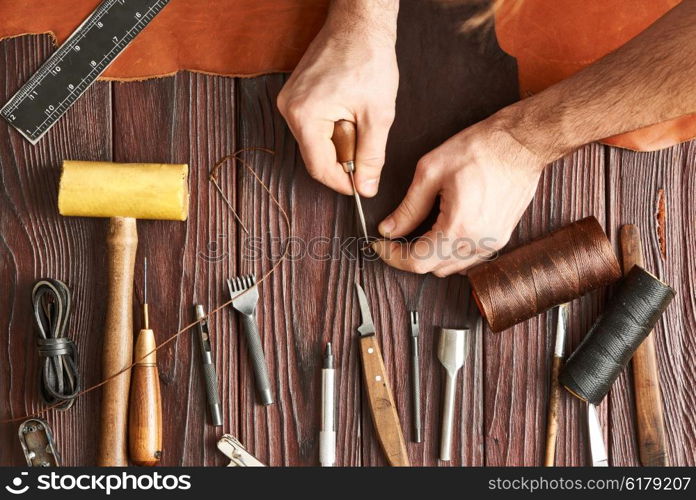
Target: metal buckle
[(235, 451), (37, 443)]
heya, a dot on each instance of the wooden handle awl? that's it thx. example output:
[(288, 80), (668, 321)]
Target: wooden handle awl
[(344, 138), (382, 405), (652, 442), (145, 412), (122, 243)]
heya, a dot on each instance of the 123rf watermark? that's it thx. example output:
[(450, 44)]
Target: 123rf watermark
[(621, 484)]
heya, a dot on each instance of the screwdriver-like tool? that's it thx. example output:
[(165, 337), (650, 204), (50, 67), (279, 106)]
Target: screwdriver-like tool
[(145, 410), (344, 138)]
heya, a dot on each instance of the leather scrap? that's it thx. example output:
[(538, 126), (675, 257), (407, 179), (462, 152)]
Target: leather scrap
[(553, 39), (224, 37)]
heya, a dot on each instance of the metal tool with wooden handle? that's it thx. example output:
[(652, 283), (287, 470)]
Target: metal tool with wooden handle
[(652, 444), (124, 192), (379, 394), (554, 386), (145, 410), (345, 141)]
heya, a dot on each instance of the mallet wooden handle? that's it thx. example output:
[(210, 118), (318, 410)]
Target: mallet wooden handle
[(145, 411), (650, 422), (122, 243), (382, 405)]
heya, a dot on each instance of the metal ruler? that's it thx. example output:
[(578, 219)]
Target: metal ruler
[(71, 69)]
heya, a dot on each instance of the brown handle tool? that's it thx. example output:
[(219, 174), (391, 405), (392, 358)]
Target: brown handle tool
[(145, 419), (344, 138), (382, 405), (122, 243), (649, 417)]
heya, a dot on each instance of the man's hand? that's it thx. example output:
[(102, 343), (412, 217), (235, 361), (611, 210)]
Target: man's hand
[(485, 179), (349, 72)]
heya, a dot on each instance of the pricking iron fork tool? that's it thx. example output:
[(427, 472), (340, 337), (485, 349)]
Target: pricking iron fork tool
[(344, 139), (37, 443), (235, 451), (379, 394), (211, 387), (451, 352), (415, 375), (245, 305)]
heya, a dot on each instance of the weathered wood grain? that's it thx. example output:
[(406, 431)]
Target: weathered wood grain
[(657, 192), (36, 242), (186, 119)]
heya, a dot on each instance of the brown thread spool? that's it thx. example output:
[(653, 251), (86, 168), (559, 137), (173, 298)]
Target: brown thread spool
[(635, 307), (544, 273)]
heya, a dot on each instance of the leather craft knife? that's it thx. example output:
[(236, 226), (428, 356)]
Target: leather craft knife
[(379, 394), (598, 450)]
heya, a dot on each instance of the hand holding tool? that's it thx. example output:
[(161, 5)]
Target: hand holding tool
[(555, 387), (650, 423), (246, 306), (415, 375), (211, 387), (598, 451), (145, 418), (345, 139), (379, 394), (451, 353), (123, 192), (327, 435), (38, 445)]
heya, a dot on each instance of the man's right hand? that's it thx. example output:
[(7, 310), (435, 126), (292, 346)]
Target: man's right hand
[(349, 72)]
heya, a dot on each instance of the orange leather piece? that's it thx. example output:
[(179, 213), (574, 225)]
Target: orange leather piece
[(226, 37), (552, 39)]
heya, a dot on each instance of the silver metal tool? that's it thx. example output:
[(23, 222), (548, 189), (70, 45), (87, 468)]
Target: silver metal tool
[(415, 375), (555, 387), (598, 450), (327, 434), (235, 451), (211, 387), (451, 353), (344, 138), (37, 443), (245, 305)]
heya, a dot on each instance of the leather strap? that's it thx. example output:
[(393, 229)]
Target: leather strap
[(59, 378)]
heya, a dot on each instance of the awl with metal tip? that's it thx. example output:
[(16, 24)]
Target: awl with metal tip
[(379, 395), (344, 138), (450, 352), (415, 375)]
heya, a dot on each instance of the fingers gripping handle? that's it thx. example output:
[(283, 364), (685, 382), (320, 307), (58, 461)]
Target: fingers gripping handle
[(122, 243), (258, 359), (344, 138)]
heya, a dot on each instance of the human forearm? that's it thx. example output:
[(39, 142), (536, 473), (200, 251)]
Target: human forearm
[(357, 16), (646, 81)]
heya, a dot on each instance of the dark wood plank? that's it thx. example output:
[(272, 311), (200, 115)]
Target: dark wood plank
[(305, 303), (186, 119), (657, 192), (36, 242), (517, 361)]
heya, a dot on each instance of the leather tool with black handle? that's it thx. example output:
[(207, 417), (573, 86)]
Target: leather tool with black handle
[(379, 395)]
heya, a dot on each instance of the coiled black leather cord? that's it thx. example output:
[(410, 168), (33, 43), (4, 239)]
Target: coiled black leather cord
[(59, 378)]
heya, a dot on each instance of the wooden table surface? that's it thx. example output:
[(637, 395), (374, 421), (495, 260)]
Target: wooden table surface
[(448, 80)]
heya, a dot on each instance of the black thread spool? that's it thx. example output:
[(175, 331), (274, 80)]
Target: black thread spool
[(633, 311)]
